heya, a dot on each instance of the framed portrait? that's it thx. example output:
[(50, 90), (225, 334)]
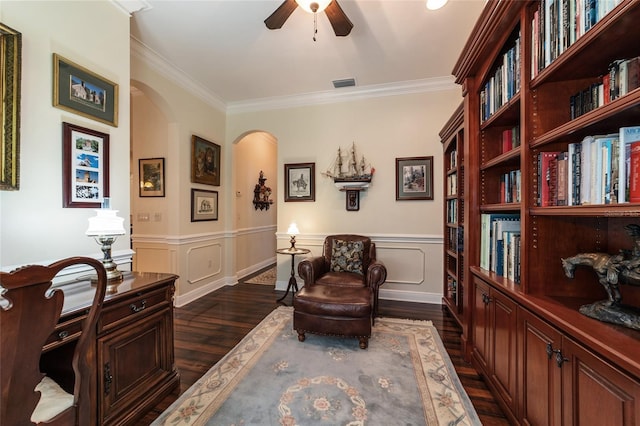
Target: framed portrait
[(151, 172), (204, 205), (205, 161), (78, 90), (10, 77), (85, 180), (300, 182), (414, 178)]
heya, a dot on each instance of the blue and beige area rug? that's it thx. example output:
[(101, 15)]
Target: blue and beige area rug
[(405, 377), (267, 277)]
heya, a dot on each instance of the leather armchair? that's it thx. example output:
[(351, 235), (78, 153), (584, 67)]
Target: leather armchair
[(340, 293)]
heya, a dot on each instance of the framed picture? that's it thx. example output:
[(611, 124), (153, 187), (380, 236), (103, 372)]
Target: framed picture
[(414, 178), (10, 78), (205, 161), (300, 182), (78, 90), (151, 172), (353, 200), (85, 180), (204, 205)]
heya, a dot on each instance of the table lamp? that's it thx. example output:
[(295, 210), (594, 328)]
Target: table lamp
[(293, 231), (105, 227)]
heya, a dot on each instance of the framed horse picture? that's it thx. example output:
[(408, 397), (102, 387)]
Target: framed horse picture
[(300, 182)]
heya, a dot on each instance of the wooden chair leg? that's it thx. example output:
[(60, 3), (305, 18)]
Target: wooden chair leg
[(301, 336)]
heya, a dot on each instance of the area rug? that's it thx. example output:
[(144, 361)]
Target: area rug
[(268, 277), (405, 377)]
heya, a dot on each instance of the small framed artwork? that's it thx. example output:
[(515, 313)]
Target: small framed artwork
[(151, 172), (353, 200), (85, 180), (10, 83), (414, 178), (300, 182), (205, 161), (78, 90), (204, 205)]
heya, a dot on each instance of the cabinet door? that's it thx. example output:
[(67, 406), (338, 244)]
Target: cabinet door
[(481, 330), (596, 393), (136, 360), (540, 398), (503, 324)]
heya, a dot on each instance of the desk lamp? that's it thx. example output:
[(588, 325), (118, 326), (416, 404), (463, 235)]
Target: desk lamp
[(105, 227)]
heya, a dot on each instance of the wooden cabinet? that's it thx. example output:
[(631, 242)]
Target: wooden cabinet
[(454, 294), (521, 77), (494, 337), (135, 352)]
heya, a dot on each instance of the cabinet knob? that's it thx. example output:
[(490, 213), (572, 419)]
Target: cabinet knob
[(560, 359), (108, 378), (63, 334), (135, 308)]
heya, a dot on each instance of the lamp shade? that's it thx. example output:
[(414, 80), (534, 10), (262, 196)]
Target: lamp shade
[(309, 5), (293, 229), (105, 222)]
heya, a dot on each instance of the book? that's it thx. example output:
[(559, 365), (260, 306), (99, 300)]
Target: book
[(562, 184), (500, 226), (585, 170), (634, 173), (627, 135), (547, 167)]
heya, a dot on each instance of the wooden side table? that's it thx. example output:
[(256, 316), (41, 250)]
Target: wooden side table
[(293, 283)]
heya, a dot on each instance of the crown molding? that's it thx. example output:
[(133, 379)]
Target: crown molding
[(129, 7), (179, 77)]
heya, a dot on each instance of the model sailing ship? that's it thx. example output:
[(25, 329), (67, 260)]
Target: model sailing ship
[(358, 173)]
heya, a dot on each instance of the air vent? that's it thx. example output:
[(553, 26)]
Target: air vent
[(345, 82)]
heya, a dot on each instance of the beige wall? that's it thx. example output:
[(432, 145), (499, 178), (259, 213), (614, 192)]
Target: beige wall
[(35, 228), (408, 233)]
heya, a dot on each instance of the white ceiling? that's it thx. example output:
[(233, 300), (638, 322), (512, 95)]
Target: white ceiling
[(224, 48)]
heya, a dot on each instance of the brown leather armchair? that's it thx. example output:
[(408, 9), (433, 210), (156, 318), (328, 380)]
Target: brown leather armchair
[(340, 293)]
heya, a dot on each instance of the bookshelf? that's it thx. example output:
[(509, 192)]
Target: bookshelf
[(545, 361), (452, 137)]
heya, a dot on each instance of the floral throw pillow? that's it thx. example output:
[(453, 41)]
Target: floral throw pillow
[(347, 256)]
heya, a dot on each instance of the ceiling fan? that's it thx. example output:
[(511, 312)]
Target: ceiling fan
[(339, 21)]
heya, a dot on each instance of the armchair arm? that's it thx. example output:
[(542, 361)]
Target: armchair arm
[(311, 268), (376, 275)]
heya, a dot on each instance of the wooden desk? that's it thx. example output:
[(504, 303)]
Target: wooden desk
[(134, 353)]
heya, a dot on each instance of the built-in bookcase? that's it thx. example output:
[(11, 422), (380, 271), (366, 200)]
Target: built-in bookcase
[(452, 137), (539, 78)]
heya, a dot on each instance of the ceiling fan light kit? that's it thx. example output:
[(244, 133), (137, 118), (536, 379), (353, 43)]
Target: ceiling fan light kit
[(435, 4), (310, 6)]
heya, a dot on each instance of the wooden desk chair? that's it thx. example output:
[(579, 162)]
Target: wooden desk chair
[(29, 313)]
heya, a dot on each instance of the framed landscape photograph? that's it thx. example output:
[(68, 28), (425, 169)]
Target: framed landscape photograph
[(205, 161), (300, 182), (78, 90), (204, 205), (414, 178), (151, 172), (85, 179)]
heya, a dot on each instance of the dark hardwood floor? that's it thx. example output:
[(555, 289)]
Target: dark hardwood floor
[(206, 329)]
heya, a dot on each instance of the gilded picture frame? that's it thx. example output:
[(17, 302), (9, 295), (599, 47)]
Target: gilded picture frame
[(85, 179), (81, 91), (205, 161), (10, 77), (151, 173)]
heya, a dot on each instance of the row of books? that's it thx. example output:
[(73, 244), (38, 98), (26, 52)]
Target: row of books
[(453, 159), (622, 77), (503, 84), (452, 289), (557, 24), (452, 211), (452, 184), (510, 139), (455, 239), (601, 169), (500, 244), (510, 187)]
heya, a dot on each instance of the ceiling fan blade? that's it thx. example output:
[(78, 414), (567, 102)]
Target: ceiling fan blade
[(277, 19), (339, 20)]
